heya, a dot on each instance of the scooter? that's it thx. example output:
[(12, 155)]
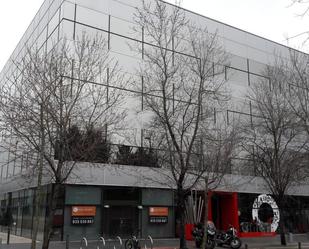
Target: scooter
[(229, 238), (198, 234)]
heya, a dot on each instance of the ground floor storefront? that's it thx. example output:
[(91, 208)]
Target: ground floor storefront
[(124, 211)]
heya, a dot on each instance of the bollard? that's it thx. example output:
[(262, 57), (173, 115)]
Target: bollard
[(8, 236), (291, 238), (246, 246), (299, 245), (67, 241)]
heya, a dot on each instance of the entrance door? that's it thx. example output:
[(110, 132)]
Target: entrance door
[(216, 211), (224, 208), (120, 221)]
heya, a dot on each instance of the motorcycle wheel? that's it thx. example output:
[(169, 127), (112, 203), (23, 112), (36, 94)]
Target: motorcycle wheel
[(128, 244), (198, 244), (210, 244), (235, 243)]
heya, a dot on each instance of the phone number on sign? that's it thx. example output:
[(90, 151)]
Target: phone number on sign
[(82, 221)]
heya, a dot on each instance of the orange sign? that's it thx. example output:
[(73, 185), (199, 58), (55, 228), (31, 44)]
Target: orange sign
[(86, 211), (158, 211)]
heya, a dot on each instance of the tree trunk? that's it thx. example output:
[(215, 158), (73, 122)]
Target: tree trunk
[(39, 190), (282, 231), (52, 204), (280, 200), (37, 215), (205, 217), (181, 208)]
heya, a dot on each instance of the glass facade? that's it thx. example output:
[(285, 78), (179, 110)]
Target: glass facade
[(22, 211), (113, 20)]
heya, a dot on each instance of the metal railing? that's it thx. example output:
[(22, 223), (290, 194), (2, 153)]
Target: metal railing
[(83, 241), (151, 242), (120, 242), (101, 241)]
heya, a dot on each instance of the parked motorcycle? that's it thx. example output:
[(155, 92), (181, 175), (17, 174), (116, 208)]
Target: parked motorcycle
[(229, 238), (198, 234), (132, 243)]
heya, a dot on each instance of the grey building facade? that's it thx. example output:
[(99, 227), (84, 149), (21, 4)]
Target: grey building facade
[(121, 201)]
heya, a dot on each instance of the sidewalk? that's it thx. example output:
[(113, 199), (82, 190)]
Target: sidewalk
[(274, 242), (252, 243), (13, 239)]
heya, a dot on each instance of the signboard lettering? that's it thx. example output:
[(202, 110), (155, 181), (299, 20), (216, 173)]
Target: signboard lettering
[(83, 215), (270, 201), (158, 211), (83, 211), (158, 215), (82, 220), (158, 219)]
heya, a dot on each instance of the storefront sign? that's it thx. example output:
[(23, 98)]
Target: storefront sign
[(158, 219), (270, 201), (83, 215), (158, 211), (158, 215), (82, 220), (83, 211)]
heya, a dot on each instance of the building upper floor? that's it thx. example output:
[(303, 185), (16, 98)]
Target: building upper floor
[(115, 21)]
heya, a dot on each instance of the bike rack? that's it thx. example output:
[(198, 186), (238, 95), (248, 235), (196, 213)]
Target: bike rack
[(83, 240), (151, 242), (120, 242), (101, 239)]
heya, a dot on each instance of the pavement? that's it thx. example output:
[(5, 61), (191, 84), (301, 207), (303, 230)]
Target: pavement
[(14, 239), (17, 242)]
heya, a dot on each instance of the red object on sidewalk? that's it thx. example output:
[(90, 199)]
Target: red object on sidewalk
[(188, 231)]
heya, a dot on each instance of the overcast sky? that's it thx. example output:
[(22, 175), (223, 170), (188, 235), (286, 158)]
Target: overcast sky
[(272, 19)]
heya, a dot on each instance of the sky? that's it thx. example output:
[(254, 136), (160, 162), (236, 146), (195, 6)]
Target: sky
[(272, 19)]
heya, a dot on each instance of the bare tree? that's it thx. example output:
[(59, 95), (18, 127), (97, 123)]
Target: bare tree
[(218, 147), (304, 4), (216, 141), (273, 140), (50, 93), (179, 72), (297, 73)]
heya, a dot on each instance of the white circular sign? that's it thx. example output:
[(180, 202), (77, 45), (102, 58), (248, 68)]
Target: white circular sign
[(268, 200)]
